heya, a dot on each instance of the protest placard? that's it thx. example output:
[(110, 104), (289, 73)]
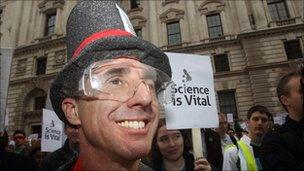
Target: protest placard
[(193, 104), (230, 117), (52, 130)]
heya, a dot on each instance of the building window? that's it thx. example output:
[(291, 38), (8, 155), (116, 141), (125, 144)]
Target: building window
[(221, 63), (293, 49), (39, 102), (227, 102), (50, 24), (138, 32), (174, 33), (214, 25), (41, 66), (36, 129), (135, 4), (277, 9)]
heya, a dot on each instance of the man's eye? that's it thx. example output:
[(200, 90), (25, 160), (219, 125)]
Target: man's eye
[(114, 81)]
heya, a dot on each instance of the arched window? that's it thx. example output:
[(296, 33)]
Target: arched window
[(35, 100)]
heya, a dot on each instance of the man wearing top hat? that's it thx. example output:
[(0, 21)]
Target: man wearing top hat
[(111, 88)]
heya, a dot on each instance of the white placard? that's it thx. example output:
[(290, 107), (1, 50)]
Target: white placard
[(230, 117), (194, 104), (52, 129)]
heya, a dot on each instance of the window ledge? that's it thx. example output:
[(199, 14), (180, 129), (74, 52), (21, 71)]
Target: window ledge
[(288, 21), (138, 9), (221, 38), (33, 113), (46, 38), (165, 2)]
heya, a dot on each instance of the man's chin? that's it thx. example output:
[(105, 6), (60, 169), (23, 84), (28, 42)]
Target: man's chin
[(137, 150)]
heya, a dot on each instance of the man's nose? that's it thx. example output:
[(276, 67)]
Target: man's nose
[(260, 121), (142, 95)]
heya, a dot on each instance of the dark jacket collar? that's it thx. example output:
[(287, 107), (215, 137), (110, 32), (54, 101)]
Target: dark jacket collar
[(298, 127)]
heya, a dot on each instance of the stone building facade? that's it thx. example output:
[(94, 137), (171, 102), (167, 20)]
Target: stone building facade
[(251, 44)]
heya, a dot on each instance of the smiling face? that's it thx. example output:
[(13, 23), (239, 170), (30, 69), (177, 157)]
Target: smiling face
[(119, 129), (170, 143)]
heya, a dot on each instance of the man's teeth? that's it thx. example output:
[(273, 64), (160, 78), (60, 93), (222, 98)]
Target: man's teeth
[(132, 124)]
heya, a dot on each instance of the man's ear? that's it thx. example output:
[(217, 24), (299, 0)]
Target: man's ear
[(284, 100), (69, 107)]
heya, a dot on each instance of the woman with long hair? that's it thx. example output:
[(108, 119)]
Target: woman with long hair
[(171, 151)]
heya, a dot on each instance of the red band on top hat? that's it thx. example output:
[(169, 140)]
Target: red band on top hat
[(99, 35)]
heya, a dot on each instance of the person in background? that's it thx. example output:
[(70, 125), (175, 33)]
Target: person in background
[(246, 154), (21, 144), (12, 161), (222, 131), (230, 131), (59, 159), (36, 153), (212, 149), (171, 151), (283, 148)]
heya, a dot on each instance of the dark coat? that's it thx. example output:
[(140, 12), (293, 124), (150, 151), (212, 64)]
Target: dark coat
[(214, 149), (11, 161), (62, 159), (283, 149)]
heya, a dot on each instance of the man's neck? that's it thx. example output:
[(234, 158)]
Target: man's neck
[(174, 165), (255, 139), (100, 160), (295, 116)]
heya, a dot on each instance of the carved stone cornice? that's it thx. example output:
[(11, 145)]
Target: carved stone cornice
[(288, 63), (171, 14), (138, 21), (47, 5), (270, 31), (21, 50), (33, 80), (205, 8), (203, 45), (165, 2), (33, 114)]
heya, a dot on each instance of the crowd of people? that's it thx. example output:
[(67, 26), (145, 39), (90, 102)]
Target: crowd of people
[(110, 93)]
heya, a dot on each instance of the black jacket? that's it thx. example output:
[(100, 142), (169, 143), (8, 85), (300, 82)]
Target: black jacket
[(283, 149), (11, 161), (62, 159), (214, 149)]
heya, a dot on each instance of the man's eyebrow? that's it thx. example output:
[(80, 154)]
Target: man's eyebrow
[(117, 71)]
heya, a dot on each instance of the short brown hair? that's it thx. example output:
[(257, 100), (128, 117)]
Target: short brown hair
[(259, 108), (283, 88)]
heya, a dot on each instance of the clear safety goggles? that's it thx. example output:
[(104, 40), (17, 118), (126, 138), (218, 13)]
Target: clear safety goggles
[(120, 81)]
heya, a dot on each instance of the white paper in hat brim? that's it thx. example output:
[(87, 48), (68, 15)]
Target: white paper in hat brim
[(125, 20)]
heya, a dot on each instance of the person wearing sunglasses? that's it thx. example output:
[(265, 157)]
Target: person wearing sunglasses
[(111, 88), (21, 144), (283, 149)]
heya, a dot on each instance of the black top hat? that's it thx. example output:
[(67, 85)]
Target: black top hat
[(97, 30)]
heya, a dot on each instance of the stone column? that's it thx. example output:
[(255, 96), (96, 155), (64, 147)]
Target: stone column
[(193, 31), (242, 15), (259, 14), (152, 23)]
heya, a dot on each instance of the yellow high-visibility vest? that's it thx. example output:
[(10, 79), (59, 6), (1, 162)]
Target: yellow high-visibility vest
[(249, 156)]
